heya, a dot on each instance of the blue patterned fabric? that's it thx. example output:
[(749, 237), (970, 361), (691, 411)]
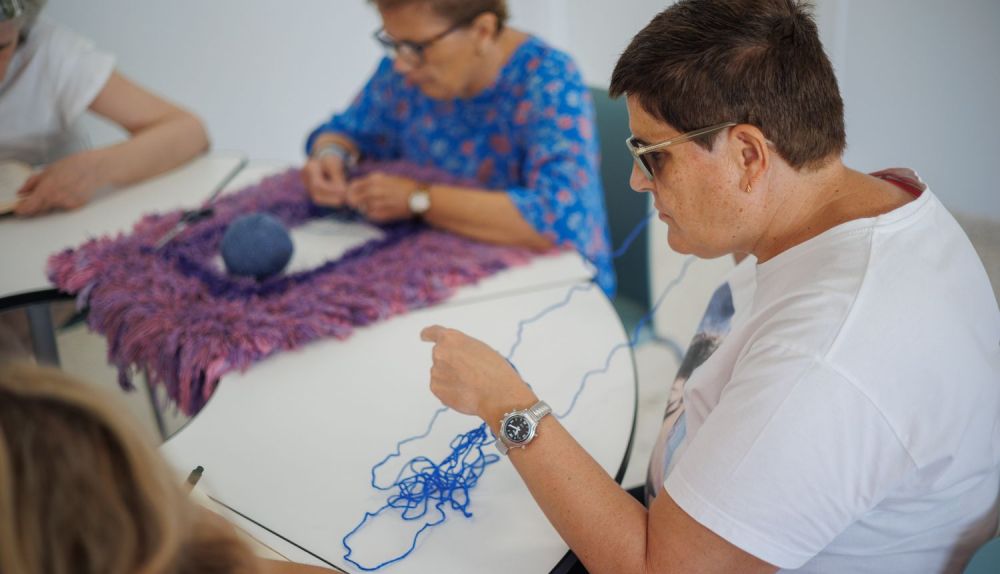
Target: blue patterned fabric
[(531, 135)]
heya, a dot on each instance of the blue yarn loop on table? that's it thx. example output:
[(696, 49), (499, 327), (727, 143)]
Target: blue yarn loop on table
[(421, 482)]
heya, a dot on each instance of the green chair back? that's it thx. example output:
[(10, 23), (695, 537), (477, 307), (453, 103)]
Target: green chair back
[(986, 560), (625, 207)]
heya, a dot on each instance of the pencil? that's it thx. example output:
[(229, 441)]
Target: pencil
[(194, 477)]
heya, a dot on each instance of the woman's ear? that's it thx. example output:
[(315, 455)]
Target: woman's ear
[(751, 153), (485, 27)]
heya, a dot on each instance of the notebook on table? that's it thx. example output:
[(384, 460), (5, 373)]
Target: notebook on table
[(13, 174)]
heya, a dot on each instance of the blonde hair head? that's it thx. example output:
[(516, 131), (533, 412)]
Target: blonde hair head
[(82, 489)]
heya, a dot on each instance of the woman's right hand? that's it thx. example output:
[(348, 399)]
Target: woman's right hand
[(472, 378), (326, 180)]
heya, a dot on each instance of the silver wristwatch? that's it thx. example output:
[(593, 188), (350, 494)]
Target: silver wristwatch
[(335, 149), (518, 428), (419, 201)]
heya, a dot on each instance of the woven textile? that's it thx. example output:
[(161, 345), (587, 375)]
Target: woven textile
[(174, 315)]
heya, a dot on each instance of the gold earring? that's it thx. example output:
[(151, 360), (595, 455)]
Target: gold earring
[(749, 189)]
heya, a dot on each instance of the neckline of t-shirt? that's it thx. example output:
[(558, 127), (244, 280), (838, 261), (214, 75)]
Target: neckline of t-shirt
[(900, 214)]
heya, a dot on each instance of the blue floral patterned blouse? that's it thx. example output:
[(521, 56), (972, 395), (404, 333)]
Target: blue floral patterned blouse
[(531, 134)]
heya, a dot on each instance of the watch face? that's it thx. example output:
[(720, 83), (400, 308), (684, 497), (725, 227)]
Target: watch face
[(420, 201), (517, 428)]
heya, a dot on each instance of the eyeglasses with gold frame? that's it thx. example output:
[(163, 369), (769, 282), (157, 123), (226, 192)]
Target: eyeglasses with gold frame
[(639, 150)]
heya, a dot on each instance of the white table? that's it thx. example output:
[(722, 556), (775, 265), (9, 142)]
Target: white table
[(28, 243), (290, 444)]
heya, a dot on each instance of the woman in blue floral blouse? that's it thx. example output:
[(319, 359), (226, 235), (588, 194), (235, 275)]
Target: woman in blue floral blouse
[(462, 92)]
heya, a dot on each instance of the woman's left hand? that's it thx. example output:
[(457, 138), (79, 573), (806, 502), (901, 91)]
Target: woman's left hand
[(382, 197), (66, 184), (472, 378)]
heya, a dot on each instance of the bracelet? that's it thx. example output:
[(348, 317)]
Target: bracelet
[(334, 148)]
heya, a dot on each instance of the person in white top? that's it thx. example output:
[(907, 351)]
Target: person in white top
[(49, 77), (850, 419)]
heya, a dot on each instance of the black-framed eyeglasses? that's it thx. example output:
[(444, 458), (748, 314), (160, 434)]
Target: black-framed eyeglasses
[(10, 9), (639, 151), (411, 51)]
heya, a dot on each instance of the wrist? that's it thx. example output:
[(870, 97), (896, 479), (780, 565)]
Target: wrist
[(347, 155), (101, 167), (419, 199), (518, 399), (519, 427)]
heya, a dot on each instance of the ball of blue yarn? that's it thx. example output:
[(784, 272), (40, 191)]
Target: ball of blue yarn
[(256, 245)]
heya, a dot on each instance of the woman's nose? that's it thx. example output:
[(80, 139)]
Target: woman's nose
[(401, 66), (638, 181)]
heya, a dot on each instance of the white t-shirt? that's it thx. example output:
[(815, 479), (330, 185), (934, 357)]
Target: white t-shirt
[(729, 301), (850, 420), (51, 81)]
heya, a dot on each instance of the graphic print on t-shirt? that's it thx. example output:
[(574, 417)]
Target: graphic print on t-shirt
[(714, 326)]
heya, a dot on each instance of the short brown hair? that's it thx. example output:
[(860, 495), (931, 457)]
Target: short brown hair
[(82, 490), (455, 11), (760, 62)]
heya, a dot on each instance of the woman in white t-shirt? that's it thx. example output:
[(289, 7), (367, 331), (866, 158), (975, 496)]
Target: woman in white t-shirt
[(48, 77), (846, 415)]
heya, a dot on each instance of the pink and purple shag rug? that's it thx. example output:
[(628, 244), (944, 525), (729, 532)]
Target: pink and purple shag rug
[(175, 316)]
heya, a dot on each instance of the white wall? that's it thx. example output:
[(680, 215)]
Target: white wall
[(260, 73), (920, 77), (600, 30), (921, 83)]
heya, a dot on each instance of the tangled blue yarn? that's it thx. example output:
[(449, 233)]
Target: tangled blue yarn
[(422, 484)]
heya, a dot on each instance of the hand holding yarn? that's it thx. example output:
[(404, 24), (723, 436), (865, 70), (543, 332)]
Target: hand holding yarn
[(256, 245), (326, 180), (472, 378), (382, 197)]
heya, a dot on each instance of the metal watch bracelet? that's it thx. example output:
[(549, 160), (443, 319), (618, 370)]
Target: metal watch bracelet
[(339, 150), (535, 413)]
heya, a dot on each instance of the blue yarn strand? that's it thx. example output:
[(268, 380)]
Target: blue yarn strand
[(510, 354), (635, 336), (421, 481), (399, 447), (428, 480), (525, 322), (632, 236)]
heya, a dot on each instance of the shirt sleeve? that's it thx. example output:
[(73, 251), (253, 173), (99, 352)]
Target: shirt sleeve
[(368, 121), (81, 70), (561, 196), (791, 455)]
